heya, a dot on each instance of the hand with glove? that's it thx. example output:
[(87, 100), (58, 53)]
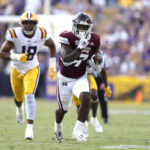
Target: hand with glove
[(96, 62), (52, 68), (19, 57), (107, 91), (83, 43)]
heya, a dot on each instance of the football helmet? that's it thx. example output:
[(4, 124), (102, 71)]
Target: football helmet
[(82, 25), (29, 23)]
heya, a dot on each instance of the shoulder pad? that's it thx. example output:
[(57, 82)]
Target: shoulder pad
[(12, 33), (43, 32), (96, 39), (67, 38)]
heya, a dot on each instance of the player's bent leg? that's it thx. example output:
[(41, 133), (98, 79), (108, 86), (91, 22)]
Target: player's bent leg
[(84, 107), (58, 126), (19, 111), (30, 112)]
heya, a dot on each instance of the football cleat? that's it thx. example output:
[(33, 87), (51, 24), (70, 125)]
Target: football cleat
[(29, 133), (20, 114), (97, 125), (58, 130), (59, 136), (79, 135)]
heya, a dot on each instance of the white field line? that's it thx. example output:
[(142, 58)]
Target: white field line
[(69, 144), (126, 147), (131, 112)]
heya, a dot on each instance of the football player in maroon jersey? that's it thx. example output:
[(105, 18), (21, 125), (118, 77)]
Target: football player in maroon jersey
[(77, 47)]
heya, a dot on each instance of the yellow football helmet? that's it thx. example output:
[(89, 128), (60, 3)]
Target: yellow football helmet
[(29, 22)]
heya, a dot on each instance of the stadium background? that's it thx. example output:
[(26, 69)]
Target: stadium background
[(125, 38)]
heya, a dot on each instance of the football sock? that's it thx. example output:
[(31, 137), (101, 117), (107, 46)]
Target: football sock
[(58, 127), (79, 124), (30, 106)]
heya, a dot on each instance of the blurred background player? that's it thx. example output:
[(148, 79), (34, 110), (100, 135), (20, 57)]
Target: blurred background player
[(77, 47), (91, 68), (21, 47), (102, 95)]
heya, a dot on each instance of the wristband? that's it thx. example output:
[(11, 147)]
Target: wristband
[(52, 62)]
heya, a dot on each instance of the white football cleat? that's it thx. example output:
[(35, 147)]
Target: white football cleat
[(98, 127), (58, 130), (79, 135), (59, 136), (29, 132), (20, 114)]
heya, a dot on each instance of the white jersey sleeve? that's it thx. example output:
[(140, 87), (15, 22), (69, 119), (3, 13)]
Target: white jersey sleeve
[(10, 35)]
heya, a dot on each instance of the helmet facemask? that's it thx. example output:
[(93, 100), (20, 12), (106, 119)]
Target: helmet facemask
[(82, 26), (29, 27)]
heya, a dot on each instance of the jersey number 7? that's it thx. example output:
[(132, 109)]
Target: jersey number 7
[(31, 50)]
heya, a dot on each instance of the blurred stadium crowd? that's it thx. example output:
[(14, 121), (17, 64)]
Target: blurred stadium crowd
[(125, 39)]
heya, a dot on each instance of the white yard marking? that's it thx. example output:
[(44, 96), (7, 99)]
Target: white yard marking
[(126, 147), (131, 112)]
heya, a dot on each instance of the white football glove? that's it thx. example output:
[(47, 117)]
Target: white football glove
[(83, 43), (95, 66), (22, 57)]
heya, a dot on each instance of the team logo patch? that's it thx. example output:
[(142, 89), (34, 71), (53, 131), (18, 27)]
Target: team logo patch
[(64, 83)]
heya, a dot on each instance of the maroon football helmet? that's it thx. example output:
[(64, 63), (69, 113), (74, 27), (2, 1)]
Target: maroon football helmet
[(82, 25)]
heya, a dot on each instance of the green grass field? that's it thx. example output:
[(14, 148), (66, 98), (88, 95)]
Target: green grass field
[(128, 128)]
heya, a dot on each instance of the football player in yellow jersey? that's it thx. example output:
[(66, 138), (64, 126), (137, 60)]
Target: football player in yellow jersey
[(91, 68), (21, 47)]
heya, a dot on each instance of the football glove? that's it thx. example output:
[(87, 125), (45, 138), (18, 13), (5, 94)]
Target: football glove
[(108, 92), (83, 43), (96, 67), (52, 72), (52, 68), (23, 57), (19, 57)]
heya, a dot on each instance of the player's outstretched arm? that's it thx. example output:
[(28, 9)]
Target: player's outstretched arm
[(52, 60)]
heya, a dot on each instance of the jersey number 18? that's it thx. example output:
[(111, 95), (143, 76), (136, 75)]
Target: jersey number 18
[(31, 50)]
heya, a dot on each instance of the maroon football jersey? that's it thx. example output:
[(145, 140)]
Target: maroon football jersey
[(77, 68)]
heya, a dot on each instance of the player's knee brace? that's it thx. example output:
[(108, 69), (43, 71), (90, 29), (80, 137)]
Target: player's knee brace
[(30, 106)]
